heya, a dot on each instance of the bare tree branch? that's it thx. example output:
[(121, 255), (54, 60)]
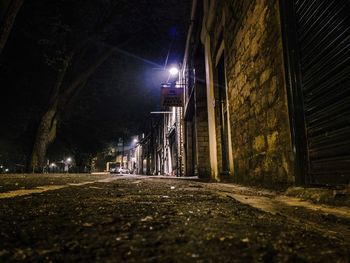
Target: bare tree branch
[(83, 76), (8, 21)]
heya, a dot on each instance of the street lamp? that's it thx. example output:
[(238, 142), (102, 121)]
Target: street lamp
[(173, 74), (52, 167), (67, 164), (173, 71)]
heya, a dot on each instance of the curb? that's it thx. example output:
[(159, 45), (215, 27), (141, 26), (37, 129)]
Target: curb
[(336, 197)]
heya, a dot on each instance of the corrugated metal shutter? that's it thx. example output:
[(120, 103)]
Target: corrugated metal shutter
[(323, 36)]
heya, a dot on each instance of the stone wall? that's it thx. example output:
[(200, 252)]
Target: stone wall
[(203, 165), (197, 134), (201, 112), (189, 148), (260, 133)]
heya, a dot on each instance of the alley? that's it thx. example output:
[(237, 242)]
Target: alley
[(105, 218)]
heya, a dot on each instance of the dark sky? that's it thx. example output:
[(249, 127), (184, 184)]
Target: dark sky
[(117, 97)]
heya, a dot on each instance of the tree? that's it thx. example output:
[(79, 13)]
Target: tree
[(72, 75), (47, 129), (76, 50), (8, 21), (55, 49)]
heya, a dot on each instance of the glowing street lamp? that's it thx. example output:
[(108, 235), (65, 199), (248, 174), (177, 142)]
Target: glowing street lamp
[(173, 71), (67, 164), (52, 167)]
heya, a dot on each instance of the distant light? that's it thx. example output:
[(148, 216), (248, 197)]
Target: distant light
[(136, 140), (161, 112), (174, 71), (69, 160), (52, 164)]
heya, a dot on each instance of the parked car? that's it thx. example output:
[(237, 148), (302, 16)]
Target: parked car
[(123, 170), (114, 170)]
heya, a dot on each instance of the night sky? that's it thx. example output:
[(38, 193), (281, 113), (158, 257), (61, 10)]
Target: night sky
[(117, 97)]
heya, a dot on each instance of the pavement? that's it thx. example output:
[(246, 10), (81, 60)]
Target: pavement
[(294, 205), (131, 218), (339, 196)]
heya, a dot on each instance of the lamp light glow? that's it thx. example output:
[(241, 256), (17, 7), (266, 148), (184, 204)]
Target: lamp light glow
[(173, 71)]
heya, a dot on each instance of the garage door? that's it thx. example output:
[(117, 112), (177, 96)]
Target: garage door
[(323, 46)]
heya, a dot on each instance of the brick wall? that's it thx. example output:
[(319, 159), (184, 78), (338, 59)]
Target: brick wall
[(203, 165), (202, 134), (189, 148), (260, 132)]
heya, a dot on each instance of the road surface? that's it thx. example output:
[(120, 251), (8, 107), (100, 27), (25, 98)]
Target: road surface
[(105, 218)]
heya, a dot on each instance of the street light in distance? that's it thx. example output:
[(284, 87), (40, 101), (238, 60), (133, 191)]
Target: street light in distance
[(161, 112)]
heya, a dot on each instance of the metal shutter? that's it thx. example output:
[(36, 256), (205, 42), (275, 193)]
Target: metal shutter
[(323, 36)]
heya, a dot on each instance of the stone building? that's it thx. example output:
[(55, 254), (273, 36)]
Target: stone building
[(166, 134), (159, 152), (276, 86), (196, 136)]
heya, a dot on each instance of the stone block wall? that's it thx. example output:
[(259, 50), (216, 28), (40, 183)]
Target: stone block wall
[(202, 136), (203, 165), (259, 122)]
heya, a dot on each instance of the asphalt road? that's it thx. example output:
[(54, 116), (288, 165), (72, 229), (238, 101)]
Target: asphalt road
[(104, 218)]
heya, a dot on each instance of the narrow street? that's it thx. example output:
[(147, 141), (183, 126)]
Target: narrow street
[(115, 218)]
